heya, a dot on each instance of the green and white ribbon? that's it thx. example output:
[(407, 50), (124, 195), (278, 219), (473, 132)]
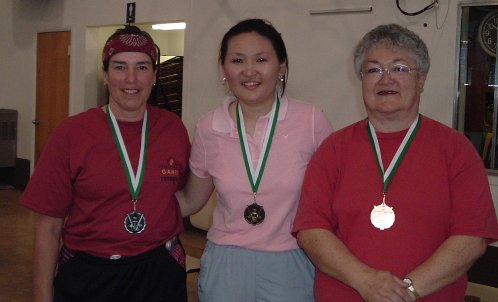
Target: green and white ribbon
[(398, 156), (255, 175), (134, 180)]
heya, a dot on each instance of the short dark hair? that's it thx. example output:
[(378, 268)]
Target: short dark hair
[(263, 28)]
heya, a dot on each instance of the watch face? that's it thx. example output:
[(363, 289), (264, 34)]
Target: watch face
[(488, 32)]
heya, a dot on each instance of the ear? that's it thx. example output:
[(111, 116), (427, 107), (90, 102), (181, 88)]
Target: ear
[(421, 82), (282, 70)]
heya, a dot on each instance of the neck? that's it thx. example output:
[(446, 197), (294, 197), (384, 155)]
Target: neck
[(251, 113), (391, 124), (254, 111), (127, 115)]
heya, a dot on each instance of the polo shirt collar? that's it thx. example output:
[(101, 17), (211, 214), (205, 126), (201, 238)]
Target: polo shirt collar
[(222, 122)]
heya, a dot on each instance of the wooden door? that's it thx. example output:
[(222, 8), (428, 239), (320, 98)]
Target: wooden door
[(52, 85)]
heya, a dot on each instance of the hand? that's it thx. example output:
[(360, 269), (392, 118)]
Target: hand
[(381, 286)]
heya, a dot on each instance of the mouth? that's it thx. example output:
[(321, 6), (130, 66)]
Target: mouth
[(131, 91), (251, 84), (387, 92)]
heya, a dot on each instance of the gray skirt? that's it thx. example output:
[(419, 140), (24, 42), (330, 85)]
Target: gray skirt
[(231, 273)]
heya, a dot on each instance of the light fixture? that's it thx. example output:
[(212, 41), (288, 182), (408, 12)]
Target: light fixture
[(340, 11), (169, 26)]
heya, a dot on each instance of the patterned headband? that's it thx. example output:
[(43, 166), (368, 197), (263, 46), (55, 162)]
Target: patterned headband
[(129, 43)]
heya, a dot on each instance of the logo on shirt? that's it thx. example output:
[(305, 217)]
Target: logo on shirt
[(170, 171)]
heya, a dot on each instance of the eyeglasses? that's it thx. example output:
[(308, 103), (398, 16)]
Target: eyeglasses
[(396, 71)]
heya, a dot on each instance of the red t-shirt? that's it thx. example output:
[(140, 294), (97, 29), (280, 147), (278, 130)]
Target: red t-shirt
[(80, 177), (439, 189)]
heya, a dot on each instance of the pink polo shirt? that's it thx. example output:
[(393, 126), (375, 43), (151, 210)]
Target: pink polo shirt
[(216, 153)]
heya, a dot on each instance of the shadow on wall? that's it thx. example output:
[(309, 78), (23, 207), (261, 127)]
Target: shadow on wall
[(26, 12)]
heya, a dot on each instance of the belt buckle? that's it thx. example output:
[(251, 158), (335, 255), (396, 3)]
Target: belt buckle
[(115, 257)]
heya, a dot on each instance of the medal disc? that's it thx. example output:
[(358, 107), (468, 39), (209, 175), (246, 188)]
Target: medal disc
[(254, 214), (134, 222), (382, 216)]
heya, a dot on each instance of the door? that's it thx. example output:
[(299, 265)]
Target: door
[(52, 85)]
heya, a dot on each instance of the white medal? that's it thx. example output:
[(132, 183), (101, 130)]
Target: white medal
[(382, 216)]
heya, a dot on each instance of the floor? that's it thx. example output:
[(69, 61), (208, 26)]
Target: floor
[(17, 226), (17, 242)]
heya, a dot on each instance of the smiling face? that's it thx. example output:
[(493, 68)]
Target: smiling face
[(130, 79), (252, 69), (392, 98)]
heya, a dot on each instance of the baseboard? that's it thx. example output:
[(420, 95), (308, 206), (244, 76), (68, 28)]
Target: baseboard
[(17, 176)]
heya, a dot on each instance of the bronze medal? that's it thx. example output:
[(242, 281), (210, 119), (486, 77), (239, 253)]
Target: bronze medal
[(254, 214)]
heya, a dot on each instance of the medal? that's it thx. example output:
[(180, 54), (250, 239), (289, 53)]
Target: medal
[(254, 214), (134, 222), (382, 216)]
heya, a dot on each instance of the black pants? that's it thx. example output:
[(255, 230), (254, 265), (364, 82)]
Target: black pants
[(154, 276)]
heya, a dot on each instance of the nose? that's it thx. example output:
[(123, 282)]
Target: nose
[(386, 75), (131, 75), (249, 69)]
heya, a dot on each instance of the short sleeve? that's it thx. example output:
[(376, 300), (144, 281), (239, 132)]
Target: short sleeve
[(473, 213), (49, 189), (198, 155)]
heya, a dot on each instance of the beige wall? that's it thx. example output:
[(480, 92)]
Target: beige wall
[(319, 46)]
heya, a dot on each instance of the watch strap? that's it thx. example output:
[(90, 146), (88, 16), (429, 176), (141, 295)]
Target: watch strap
[(411, 289)]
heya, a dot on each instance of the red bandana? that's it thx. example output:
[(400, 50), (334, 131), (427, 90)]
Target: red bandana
[(129, 43)]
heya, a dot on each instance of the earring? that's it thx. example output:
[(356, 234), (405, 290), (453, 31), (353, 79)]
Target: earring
[(224, 80), (282, 78)]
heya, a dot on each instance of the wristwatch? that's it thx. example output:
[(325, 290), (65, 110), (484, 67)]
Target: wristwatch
[(411, 289)]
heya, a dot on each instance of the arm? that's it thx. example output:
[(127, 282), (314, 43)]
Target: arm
[(195, 194), (333, 258), (46, 249), (450, 261)]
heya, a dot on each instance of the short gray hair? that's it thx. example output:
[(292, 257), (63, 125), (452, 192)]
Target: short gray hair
[(393, 35)]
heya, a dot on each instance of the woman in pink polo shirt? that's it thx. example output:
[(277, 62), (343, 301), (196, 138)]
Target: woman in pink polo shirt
[(254, 150)]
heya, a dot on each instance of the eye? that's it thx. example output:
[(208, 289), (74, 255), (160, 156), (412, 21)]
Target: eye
[(373, 70), (142, 68), (261, 60), (236, 60), (118, 67), (399, 68)]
